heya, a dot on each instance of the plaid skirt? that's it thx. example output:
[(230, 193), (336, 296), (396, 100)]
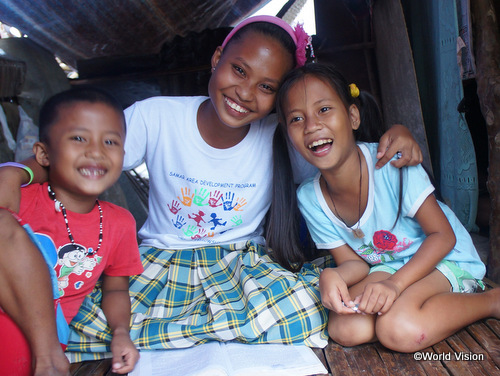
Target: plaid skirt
[(188, 297)]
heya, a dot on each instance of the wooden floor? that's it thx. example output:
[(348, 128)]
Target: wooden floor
[(473, 351), (479, 342)]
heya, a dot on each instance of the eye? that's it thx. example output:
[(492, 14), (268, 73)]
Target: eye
[(239, 70), (324, 109), (111, 142), (268, 88), (295, 119), (78, 138)]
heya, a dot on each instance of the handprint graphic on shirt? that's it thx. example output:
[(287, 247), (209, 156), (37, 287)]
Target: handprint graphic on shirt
[(199, 197), (240, 202), (237, 220), (179, 222), (214, 199), (228, 201), (201, 234), (175, 208), (187, 197), (190, 231)]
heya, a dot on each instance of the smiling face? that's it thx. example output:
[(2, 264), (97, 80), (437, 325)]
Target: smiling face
[(318, 123), (84, 151), (246, 78)]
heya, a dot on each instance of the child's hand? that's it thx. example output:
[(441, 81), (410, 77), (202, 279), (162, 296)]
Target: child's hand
[(334, 293), (378, 297), (125, 355), (398, 139)]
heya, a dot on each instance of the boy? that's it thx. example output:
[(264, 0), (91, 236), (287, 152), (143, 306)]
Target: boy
[(82, 133)]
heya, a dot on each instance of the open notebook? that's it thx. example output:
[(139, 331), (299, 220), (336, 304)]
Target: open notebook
[(230, 359)]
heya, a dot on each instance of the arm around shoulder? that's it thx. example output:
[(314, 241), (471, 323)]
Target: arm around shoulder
[(398, 139)]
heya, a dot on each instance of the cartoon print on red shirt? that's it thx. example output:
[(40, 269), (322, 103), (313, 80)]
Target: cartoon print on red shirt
[(73, 259)]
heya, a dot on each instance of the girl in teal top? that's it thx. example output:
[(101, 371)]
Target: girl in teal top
[(400, 254)]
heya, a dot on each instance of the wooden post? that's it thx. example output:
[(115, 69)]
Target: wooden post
[(487, 55), (396, 70)]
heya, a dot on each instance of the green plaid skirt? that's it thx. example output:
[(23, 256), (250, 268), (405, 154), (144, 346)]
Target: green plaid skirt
[(188, 297)]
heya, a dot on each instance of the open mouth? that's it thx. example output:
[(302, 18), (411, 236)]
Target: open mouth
[(236, 106), (92, 172), (320, 145)]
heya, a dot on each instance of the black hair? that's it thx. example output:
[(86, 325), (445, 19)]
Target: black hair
[(269, 29), (283, 222), (49, 112), (283, 218), (372, 125)]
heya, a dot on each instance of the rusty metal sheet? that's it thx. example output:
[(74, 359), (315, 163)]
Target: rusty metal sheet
[(79, 30)]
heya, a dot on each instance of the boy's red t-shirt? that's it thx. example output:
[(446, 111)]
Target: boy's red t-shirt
[(77, 272)]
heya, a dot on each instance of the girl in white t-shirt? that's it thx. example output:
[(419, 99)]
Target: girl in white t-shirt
[(208, 274), (400, 254)]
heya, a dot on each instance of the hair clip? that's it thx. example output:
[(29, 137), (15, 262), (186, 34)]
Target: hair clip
[(303, 41), (354, 90)]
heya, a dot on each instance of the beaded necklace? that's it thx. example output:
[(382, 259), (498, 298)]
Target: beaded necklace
[(60, 208)]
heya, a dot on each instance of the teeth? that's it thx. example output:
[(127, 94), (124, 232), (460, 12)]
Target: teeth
[(320, 142), (92, 172), (236, 107)]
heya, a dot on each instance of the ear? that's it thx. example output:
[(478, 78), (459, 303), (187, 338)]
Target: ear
[(41, 154), (216, 57), (355, 116)]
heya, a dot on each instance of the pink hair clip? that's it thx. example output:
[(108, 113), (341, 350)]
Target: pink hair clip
[(303, 40)]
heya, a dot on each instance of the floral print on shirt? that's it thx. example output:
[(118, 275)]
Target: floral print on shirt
[(382, 248)]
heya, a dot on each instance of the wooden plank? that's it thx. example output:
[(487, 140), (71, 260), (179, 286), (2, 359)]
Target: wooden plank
[(374, 362), (470, 358), (494, 325), (387, 357), (487, 363), (337, 361), (321, 356), (432, 367), (487, 339), (73, 368), (407, 365), (92, 368), (455, 368), (354, 356), (490, 284), (399, 89)]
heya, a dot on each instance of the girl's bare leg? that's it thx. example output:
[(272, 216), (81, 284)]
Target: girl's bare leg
[(426, 313), (355, 329), (26, 296)]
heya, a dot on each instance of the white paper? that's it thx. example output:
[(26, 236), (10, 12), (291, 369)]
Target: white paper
[(230, 359)]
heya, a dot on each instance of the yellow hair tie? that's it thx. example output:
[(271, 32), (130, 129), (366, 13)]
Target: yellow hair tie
[(354, 90)]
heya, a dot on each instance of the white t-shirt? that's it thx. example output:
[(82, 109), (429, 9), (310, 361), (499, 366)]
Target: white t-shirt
[(199, 195)]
